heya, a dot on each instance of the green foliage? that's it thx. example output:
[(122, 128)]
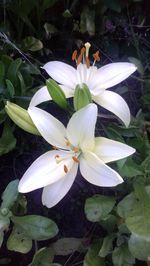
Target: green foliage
[(98, 207), (92, 258)]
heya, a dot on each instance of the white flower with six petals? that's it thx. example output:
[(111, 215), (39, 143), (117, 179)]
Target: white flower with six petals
[(76, 146)]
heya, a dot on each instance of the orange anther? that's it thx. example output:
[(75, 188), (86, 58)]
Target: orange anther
[(67, 143), (75, 149), (75, 159), (82, 51), (74, 55), (87, 62), (65, 169), (96, 56), (57, 156)]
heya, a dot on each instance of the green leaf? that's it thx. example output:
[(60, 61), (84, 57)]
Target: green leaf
[(1, 237), (10, 194), (109, 222), (139, 247), (36, 227), (7, 141), (43, 257), (98, 207), (107, 246), (138, 64), (129, 169), (56, 93), (50, 29), (4, 221), (18, 241), (87, 21), (128, 203), (10, 88), (66, 246), (121, 256), (32, 44), (13, 70), (92, 258), (138, 220)]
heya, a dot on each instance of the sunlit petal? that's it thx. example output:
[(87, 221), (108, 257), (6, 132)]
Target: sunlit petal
[(81, 127), (62, 73), (115, 104), (42, 95), (53, 193), (112, 74), (97, 172), (51, 129), (110, 150), (45, 171)]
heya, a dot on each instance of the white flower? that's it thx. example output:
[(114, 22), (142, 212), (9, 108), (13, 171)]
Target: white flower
[(74, 146), (97, 80)]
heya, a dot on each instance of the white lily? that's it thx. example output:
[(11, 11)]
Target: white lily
[(75, 146), (97, 80)]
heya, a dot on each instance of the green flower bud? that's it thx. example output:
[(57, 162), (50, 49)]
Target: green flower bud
[(82, 96), (21, 118)]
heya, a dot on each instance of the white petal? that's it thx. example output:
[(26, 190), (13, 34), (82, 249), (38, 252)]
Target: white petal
[(51, 129), (62, 73), (96, 172), (112, 74), (42, 95), (81, 127), (110, 150), (45, 171), (115, 104), (53, 193)]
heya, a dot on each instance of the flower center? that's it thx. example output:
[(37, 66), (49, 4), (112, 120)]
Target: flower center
[(73, 153), (83, 56)]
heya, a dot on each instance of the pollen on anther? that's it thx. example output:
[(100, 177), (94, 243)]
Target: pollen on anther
[(57, 156), (96, 56), (75, 159), (65, 169), (74, 55), (54, 148)]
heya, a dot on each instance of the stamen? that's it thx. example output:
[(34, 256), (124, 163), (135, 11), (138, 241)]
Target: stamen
[(74, 55), (68, 143), (82, 50), (75, 149), (65, 169), (75, 159), (79, 59), (54, 148), (87, 62), (96, 56), (87, 47), (57, 156)]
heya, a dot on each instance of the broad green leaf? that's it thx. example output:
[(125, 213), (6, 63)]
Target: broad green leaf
[(4, 221), (138, 64), (122, 256), (109, 223), (139, 247), (36, 227), (43, 257), (10, 194), (7, 141), (98, 207), (138, 220), (56, 93), (18, 241), (10, 88), (13, 70), (32, 44), (92, 257), (107, 246), (127, 204), (130, 169), (66, 246)]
